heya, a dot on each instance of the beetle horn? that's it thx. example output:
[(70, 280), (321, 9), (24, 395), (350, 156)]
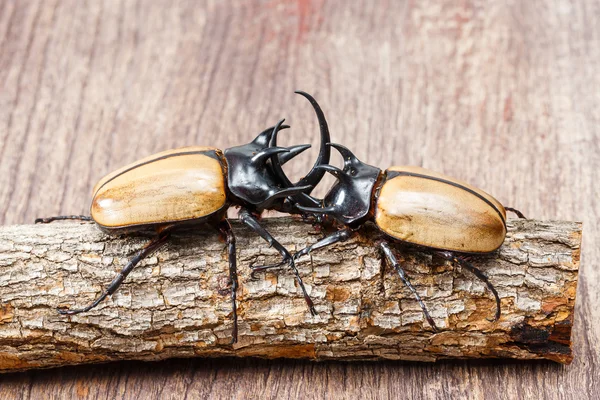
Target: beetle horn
[(264, 137), (268, 152), (335, 171), (315, 175), (293, 152), (292, 191), (348, 156), (301, 197)]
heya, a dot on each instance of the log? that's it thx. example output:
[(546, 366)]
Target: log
[(176, 303)]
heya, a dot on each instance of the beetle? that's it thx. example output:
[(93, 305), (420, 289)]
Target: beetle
[(410, 205), (191, 186)]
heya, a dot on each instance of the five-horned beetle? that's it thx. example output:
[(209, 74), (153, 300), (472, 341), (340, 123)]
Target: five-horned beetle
[(187, 187), (411, 205)]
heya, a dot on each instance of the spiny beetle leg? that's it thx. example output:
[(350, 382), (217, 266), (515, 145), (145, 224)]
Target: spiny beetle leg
[(116, 282), (338, 236), (225, 229), (453, 258), (62, 217), (391, 259), (260, 268), (247, 218)]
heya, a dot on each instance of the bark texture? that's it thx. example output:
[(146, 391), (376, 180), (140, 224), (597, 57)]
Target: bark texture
[(176, 303)]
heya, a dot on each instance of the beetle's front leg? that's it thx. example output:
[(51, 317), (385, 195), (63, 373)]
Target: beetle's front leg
[(250, 220), (225, 228), (338, 236)]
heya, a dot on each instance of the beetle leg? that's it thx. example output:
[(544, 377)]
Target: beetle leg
[(62, 217), (116, 282), (338, 236), (247, 218), (225, 228), (475, 271), (519, 213), (391, 259)]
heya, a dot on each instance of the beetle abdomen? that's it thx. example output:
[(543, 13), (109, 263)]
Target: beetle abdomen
[(427, 208), (172, 186)]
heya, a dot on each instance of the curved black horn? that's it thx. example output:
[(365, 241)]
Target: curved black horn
[(268, 152), (347, 155), (315, 175), (264, 137)]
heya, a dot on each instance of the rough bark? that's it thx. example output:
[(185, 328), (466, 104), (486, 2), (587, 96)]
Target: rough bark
[(176, 303)]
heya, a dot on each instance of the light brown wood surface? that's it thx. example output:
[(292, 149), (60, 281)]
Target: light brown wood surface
[(503, 95)]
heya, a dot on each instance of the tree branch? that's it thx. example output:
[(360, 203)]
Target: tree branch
[(176, 303)]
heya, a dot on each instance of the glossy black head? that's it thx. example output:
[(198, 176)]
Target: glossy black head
[(349, 199), (250, 176)]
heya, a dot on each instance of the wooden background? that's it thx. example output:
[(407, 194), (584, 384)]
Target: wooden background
[(505, 95)]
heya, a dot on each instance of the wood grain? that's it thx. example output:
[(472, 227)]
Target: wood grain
[(503, 95)]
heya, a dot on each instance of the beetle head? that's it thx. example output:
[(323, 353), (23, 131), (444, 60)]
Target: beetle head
[(250, 175), (349, 199)]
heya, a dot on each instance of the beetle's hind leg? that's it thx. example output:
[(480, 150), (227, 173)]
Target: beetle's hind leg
[(225, 229), (448, 255), (517, 212), (391, 259), (116, 282), (249, 220), (62, 217)]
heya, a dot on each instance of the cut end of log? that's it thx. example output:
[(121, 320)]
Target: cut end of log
[(176, 303)]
